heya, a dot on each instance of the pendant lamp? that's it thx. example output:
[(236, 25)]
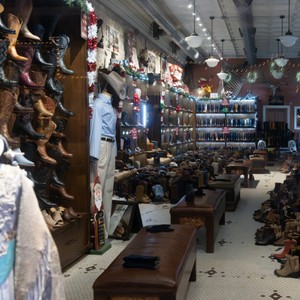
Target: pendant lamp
[(222, 75), (194, 40), (288, 40), (281, 61), (211, 61)]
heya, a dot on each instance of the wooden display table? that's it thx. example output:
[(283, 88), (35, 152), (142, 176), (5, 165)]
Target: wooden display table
[(241, 166)]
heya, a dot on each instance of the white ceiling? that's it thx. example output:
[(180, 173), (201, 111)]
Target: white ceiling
[(176, 20)]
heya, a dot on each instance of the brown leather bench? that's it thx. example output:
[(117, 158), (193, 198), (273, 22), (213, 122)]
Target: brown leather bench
[(177, 251), (205, 211)]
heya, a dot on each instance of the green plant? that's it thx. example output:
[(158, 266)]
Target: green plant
[(79, 3)]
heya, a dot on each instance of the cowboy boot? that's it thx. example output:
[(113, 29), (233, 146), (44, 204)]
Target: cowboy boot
[(3, 54), (41, 110), (288, 244), (3, 28), (50, 85), (41, 143), (15, 23), (24, 9), (25, 79), (291, 267), (23, 127), (62, 49), (38, 58), (60, 109), (7, 103), (56, 144)]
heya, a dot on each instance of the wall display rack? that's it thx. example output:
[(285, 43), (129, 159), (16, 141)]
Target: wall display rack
[(177, 122), (230, 124)]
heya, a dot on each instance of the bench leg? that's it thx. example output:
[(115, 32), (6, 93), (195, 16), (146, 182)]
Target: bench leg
[(222, 220), (210, 234), (193, 276)]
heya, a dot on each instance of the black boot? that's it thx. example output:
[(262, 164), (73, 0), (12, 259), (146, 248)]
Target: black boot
[(23, 126), (51, 86), (39, 30), (61, 110), (3, 54), (62, 49)]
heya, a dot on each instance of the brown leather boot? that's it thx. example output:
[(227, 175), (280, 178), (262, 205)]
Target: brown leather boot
[(41, 143), (41, 110), (59, 147), (60, 191), (15, 23), (7, 103)]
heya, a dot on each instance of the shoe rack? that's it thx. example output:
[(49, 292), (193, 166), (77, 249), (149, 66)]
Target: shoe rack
[(276, 134), (229, 124), (134, 122), (177, 122), (49, 123)]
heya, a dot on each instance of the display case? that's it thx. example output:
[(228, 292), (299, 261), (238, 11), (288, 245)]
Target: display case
[(229, 124)]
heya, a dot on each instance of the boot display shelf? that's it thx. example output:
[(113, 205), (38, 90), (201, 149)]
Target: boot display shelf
[(177, 122), (233, 125)]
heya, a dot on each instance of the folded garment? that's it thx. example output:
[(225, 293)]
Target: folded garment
[(151, 266), (159, 228), (135, 258)]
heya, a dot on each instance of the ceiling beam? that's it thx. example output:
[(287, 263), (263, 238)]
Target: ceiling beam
[(153, 10), (247, 30)]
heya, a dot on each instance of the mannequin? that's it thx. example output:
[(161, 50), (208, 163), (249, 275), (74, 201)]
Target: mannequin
[(103, 138)]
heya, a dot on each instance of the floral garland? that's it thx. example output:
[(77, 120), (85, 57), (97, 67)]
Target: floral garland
[(92, 51)]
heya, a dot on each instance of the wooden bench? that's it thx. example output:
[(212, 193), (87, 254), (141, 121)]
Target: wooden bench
[(232, 185), (205, 211), (177, 251), (241, 166)]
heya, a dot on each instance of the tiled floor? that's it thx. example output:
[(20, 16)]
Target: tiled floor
[(237, 270)]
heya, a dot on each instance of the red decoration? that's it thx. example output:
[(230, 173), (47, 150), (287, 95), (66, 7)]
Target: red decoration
[(91, 88), (90, 112), (92, 43), (92, 67), (178, 108), (92, 18), (136, 98)]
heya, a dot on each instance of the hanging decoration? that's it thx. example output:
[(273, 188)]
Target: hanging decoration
[(92, 43), (252, 76), (82, 4)]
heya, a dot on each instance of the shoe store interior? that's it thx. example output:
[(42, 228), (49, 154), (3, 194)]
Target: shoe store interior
[(149, 149)]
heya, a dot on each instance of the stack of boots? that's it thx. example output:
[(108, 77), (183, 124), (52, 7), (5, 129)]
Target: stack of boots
[(14, 23), (3, 28), (288, 245), (4, 81), (62, 49), (47, 130), (25, 79), (7, 103), (24, 9), (291, 267), (20, 109)]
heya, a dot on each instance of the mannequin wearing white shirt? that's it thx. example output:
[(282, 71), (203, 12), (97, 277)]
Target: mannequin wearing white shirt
[(103, 142)]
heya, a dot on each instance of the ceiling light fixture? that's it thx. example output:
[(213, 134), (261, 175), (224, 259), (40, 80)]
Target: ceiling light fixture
[(211, 61), (194, 40), (222, 75), (281, 61), (288, 40)]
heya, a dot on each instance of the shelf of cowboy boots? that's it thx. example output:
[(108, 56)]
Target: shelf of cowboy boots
[(212, 144), (233, 106)]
